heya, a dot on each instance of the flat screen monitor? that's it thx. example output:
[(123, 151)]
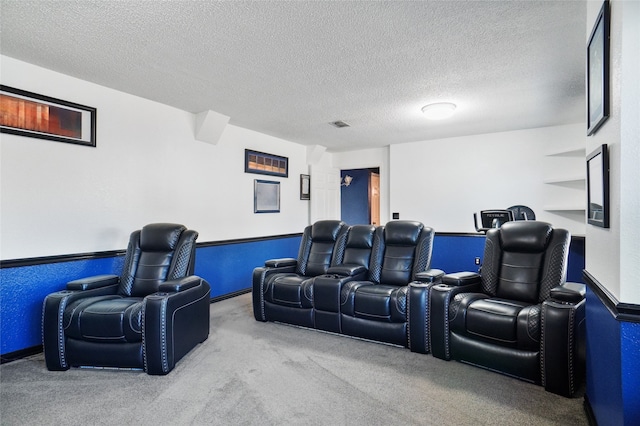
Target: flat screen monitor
[(495, 218)]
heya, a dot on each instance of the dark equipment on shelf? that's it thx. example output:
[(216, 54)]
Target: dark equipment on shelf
[(492, 219), (522, 213), (497, 217)]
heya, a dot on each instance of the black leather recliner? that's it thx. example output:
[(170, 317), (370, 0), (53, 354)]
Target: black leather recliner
[(282, 288), (518, 316), (389, 304), (149, 317)]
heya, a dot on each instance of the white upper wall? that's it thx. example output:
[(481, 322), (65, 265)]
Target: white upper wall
[(443, 182), (613, 255), (59, 198), (630, 155)]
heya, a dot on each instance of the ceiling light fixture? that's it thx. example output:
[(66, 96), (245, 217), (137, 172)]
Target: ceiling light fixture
[(439, 111)]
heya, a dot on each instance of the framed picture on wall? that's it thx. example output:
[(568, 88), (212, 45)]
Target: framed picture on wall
[(29, 114), (305, 187), (266, 196), (598, 72), (265, 164), (598, 187)]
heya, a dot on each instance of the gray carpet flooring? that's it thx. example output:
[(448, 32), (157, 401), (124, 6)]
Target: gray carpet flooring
[(252, 373)]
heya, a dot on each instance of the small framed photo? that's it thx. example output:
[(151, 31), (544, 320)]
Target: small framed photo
[(305, 187), (598, 72), (265, 164), (598, 187), (29, 114), (266, 196)]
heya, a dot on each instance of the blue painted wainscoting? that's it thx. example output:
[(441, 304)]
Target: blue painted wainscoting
[(613, 358), (226, 265), (24, 283)]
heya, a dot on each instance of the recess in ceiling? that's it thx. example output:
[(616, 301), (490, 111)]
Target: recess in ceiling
[(339, 124)]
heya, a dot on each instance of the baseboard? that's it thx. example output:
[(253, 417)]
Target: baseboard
[(230, 295), (589, 412), (22, 353)]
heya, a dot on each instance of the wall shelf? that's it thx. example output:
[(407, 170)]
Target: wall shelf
[(564, 208), (568, 152), (565, 179), (570, 181)]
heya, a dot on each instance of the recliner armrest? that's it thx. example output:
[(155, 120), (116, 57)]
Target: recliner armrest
[(430, 276), (562, 339), (90, 283), (174, 322), (461, 279), (347, 270), (568, 292), (441, 296), (180, 284), (261, 275), (279, 263), (418, 302)]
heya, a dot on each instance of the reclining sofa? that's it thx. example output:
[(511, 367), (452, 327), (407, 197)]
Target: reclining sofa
[(362, 281)]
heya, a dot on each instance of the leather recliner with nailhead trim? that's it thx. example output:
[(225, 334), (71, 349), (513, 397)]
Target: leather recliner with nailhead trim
[(148, 317)]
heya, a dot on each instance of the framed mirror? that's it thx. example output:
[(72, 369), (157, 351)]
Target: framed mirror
[(598, 187), (266, 196)]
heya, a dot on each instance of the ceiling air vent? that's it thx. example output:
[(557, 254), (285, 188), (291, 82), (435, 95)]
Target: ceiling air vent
[(339, 124)]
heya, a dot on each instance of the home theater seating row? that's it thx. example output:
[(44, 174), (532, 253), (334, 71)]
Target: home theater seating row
[(362, 281), (516, 316)]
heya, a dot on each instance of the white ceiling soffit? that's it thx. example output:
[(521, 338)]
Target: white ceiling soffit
[(288, 69)]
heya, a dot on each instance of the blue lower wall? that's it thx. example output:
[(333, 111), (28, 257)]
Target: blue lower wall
[(630, 362), (227, 266), (456, 253), (603, 349), (613, 359)]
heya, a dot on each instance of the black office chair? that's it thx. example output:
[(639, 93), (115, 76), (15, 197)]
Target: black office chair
[(518, 316), (149, 317)]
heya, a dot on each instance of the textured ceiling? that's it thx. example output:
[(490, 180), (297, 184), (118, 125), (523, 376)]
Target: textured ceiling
[(288, 68)]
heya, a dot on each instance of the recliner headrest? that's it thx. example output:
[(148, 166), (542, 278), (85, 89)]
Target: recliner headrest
[(326, 230), (525, 236), (402, 232), (361, 236), (160, 236)]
